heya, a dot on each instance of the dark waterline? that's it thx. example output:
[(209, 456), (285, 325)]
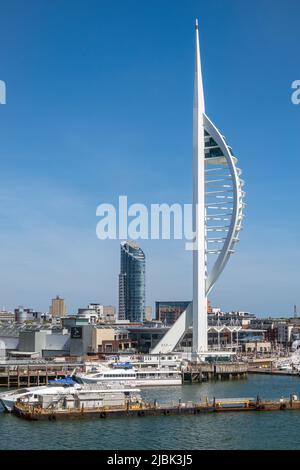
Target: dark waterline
[(269, 430)]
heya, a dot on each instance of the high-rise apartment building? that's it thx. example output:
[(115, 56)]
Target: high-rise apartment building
[(57, 307), (132, 283)]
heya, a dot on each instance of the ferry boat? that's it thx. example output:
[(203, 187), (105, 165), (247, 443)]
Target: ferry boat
[(140, 377)]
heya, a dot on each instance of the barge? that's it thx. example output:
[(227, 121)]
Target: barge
[(139, 408)]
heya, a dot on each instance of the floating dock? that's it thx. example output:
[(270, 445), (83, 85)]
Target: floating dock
[(224, 405)]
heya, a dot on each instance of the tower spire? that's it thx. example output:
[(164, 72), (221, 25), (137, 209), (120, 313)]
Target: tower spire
[(199, 258), (198, 92)]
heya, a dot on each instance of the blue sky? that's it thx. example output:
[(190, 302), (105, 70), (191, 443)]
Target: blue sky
[(99, 103)]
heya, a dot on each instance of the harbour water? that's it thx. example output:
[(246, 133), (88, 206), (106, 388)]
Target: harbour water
[(242, 430)]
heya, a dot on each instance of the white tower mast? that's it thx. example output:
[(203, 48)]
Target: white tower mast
[(199, 257)]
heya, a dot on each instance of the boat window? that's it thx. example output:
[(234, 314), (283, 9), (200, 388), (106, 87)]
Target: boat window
[(22, 390)]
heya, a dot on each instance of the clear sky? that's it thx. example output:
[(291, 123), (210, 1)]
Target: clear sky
[(99, 103)]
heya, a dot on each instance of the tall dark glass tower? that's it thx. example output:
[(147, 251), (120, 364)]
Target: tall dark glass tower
[(132, 283)]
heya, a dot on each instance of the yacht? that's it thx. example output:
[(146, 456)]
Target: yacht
[(82, 397), (58, 387), (291, 363)]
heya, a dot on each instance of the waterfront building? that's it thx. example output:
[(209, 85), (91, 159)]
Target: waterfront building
[(47, 342), (9, 338), (146, 337), (132, 283), (112, 340), (80, 339), (221, 337), (58, 307), (256, 346), (99, 335), (169, 311), (93, 339)]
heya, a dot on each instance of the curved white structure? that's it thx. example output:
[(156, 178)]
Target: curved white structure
[(223, 200), (217, 214)]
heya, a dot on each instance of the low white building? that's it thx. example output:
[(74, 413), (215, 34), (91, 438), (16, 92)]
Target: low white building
[(284, 333)]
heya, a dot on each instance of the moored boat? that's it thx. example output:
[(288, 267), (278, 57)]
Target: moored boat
[(55, 387), (140, 377), (81, 399)]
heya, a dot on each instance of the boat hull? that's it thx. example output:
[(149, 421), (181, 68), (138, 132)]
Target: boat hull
[(7, 403), (158, 382), (136, 382)]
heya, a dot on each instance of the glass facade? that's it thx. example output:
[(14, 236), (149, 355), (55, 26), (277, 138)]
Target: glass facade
[(132, 283), (169, 311)]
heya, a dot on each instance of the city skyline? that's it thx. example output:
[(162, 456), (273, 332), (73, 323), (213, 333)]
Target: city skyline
[(58, 163)]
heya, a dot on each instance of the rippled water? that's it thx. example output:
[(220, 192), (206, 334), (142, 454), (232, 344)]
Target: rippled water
[(269, 430)]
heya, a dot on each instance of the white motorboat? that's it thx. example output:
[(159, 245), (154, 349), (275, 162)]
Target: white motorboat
[(59, 387), (291, 363), (84, 396)]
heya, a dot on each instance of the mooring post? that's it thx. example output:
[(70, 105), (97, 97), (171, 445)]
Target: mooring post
[(257, 401)]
